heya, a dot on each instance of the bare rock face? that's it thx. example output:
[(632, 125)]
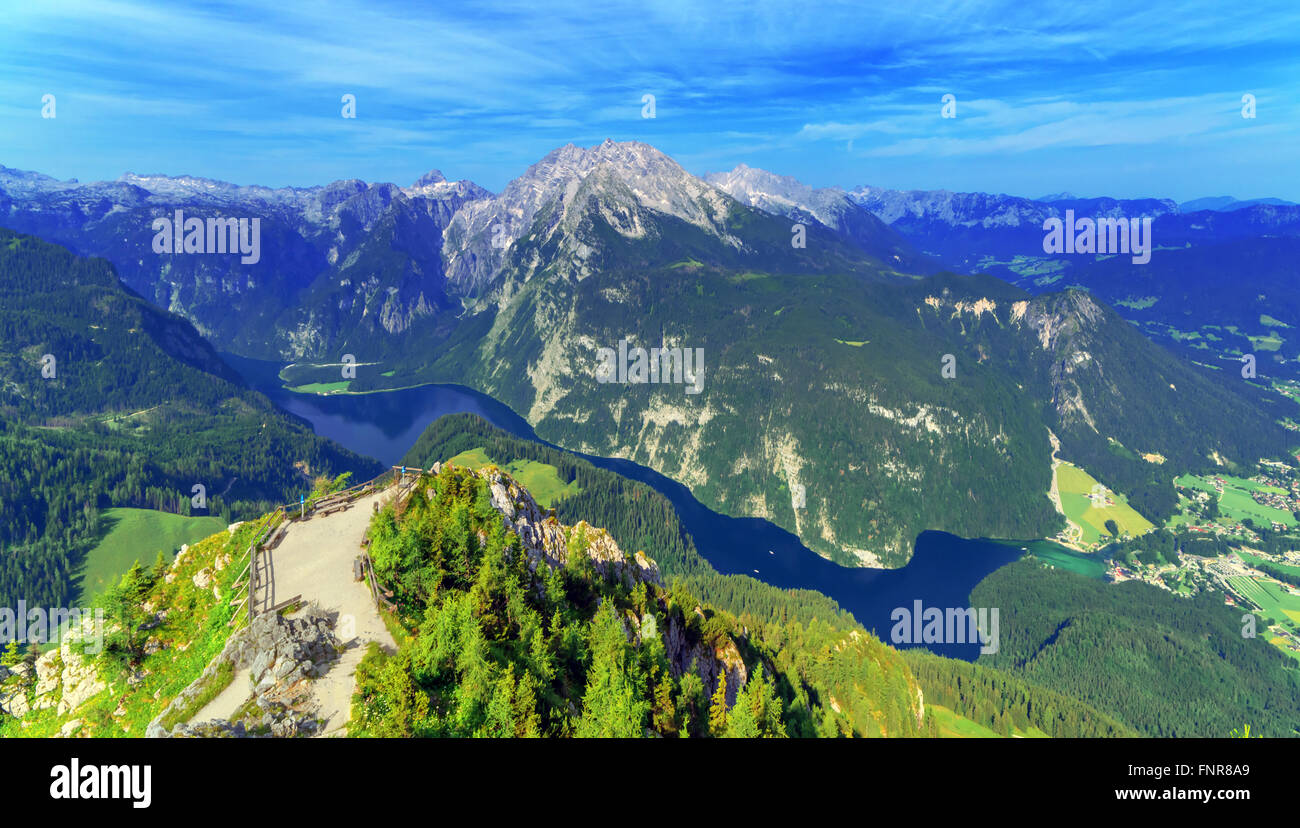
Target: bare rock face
[(710, 662), (1063, 327), (545, 539), (13, 699), (624, 181), (80, 679), (202, 579), (63, 678), (282, 655), (47, 680)]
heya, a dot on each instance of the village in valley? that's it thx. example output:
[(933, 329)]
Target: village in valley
[(1232, 535)]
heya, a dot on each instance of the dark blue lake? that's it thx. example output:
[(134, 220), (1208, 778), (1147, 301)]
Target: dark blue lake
[(943, 569)]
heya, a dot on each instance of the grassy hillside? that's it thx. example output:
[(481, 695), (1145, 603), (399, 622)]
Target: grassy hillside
[(541, 479), (131, 535), (142, 677)]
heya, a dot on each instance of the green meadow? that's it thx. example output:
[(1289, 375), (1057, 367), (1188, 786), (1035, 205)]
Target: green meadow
[(1074, 485), (953, 725), (139, 535), (541, 479)]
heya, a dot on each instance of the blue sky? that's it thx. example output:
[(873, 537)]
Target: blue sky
[(1124, 99)]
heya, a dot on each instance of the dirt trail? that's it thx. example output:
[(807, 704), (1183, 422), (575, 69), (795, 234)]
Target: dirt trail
[(315, 561), (1075, 531)]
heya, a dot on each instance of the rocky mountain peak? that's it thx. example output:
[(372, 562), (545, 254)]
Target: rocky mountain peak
[(627, 176), (779, 194), (431, 177)]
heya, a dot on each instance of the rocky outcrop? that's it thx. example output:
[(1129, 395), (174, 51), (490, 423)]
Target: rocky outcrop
[(62, 678), (724, 659), (545, 539), (282, 654), (14, 684)]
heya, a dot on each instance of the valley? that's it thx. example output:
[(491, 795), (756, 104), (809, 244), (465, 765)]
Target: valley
[(864, 421), (616, 242)]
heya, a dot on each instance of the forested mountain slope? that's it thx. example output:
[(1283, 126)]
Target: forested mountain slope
[(1165, 665), (108, 401), (836, 395)]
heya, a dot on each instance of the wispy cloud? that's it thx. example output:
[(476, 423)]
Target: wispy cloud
[(824, 91)]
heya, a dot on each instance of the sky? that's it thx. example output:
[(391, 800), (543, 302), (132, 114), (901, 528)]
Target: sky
[(1097, 98)]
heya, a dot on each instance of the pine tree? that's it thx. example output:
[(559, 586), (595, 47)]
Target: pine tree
[(160, 566), (691, 696), (528, 725), (500, 722), (741, 721), (612, 705), (767, 707), (13, 654), (718, 709), (665, 713)]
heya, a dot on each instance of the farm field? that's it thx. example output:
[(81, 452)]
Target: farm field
[(139, 534), (1074, 485), (1236, 503), (1272, 599), (1276, 606), (541, 479)]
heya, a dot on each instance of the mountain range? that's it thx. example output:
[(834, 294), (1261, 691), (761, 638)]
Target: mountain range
[(854, 392)]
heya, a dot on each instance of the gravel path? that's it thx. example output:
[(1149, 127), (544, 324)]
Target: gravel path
[(315, 560)]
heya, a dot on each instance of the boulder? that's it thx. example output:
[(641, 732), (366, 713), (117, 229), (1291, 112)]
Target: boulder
[(81, 682)]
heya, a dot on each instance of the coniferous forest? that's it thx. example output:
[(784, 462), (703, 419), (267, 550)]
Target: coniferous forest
[(133, 409)]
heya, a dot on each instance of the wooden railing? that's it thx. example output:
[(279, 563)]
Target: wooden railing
[(269, 524), (275, 524)]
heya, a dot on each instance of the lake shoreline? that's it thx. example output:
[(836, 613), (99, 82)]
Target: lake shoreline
[(942, 572)]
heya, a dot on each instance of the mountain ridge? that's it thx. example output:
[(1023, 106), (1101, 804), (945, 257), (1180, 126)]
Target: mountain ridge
[(513, 294)]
